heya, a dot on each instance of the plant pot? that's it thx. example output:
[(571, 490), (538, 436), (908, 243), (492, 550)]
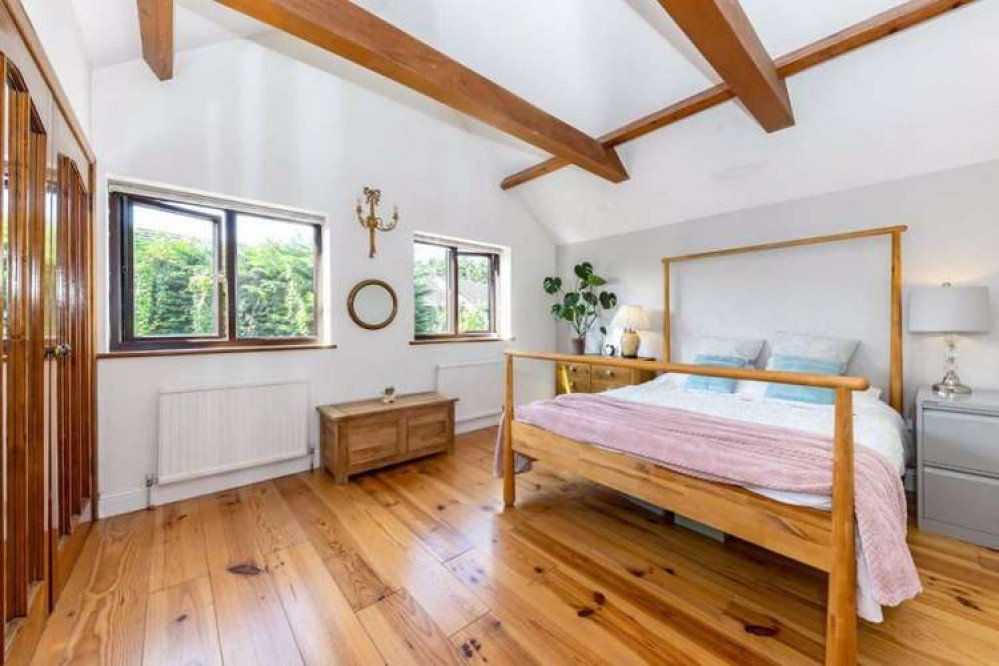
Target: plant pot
[(578, 345)]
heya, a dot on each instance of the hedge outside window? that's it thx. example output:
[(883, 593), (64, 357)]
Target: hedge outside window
[(189, 276), (454, 291)]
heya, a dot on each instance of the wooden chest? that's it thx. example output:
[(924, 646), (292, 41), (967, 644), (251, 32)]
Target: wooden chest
[(360, 436), (582, 377)]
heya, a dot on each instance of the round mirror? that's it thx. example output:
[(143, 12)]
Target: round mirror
[(372, 304)]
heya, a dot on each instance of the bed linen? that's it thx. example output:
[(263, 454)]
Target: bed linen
[(877, 429)]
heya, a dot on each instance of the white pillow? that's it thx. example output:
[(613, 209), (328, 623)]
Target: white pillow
[(817, 347), (871, 395), (754, 389), (751, 388), (739, 348)]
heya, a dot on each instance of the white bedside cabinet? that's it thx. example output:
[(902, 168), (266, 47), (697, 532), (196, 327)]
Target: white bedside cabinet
[(958, 465)]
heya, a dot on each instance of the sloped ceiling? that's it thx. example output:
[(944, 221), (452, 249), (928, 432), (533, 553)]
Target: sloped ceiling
[(923, 100), (111, 27)]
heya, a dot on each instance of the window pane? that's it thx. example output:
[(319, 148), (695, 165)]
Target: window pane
[(474, 291), (431, 283), (275, 278), (174, 274)]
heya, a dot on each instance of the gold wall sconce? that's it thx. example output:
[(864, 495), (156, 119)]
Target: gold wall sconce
[(371, 221)]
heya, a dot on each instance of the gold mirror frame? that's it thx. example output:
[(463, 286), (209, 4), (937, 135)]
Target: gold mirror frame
[(352, 297)]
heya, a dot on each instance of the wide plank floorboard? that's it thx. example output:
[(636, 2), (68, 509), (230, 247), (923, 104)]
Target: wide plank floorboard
[(180, 626), (420, 564)]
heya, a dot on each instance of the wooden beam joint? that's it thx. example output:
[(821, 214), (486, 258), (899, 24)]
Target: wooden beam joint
[(861, 34), (721, 31)]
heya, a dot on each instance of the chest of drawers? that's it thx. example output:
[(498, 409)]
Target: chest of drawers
[(583, 377)]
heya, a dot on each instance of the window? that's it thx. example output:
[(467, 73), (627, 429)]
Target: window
[(454, 290), (189, 275)]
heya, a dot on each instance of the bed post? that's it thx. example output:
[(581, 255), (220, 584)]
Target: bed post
[(841, 610), (895, 383), (666, 322), (509, 482)]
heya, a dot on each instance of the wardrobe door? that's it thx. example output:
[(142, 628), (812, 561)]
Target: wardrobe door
[(47, 421), (72, 377), (26, 548)]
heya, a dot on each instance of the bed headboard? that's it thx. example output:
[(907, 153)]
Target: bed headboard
[(895, 360)]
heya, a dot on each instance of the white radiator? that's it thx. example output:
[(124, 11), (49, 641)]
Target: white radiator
[(478, 384), (209, 430)]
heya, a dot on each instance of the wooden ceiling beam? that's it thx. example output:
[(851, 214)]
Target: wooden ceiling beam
[(721, 31), (347, 30), (156, 31), (889, 22)]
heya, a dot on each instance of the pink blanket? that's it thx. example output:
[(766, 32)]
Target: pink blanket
[(749, 454)]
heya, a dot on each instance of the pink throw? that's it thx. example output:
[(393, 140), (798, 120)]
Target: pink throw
[(742, 453)]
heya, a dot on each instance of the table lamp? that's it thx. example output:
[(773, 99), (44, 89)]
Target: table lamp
[(950, 311), (631, 318)]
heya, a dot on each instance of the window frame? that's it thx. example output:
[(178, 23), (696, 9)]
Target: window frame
[(121, 278), (455, 251)]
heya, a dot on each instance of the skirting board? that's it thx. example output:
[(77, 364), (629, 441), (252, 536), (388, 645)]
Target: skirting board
[(113, 504), (135, 499), (477, 422)]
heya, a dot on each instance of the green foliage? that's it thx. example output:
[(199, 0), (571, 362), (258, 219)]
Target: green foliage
[(276, 292), (431, 312), (431, 315), (173, 285), (582, 306), (176, 288)]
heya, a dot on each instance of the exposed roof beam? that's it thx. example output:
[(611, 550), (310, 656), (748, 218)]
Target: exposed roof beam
[(156, 30), (343, 28), (887, 23), (721, 31)]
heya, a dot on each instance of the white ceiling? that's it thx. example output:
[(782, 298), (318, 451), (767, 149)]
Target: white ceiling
[(919, 101), (111, 33)]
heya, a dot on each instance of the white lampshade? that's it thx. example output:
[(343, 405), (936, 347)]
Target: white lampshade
[(632, 317), (949, 309)]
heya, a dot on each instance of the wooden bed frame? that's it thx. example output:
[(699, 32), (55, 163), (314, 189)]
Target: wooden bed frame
[(821, 539)]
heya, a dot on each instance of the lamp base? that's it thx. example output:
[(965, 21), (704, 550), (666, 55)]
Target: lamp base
[(630, 342), (951, 385)]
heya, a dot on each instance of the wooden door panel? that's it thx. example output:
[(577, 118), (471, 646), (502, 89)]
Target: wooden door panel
[(47, 424), (18, 142)]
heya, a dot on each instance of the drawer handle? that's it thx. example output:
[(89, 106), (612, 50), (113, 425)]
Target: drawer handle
[(608, 373)]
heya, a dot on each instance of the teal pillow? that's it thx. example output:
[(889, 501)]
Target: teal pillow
[(812, 366), (715, 384)]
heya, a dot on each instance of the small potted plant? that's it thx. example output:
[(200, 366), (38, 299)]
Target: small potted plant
[(582, 306)]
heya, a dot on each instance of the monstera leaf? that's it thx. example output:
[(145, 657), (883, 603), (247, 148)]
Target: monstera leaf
[(581, 307)]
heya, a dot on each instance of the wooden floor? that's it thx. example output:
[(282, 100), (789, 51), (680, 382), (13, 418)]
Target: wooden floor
[(419, 565)]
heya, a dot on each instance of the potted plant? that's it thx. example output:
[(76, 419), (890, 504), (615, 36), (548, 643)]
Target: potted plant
[(582, 306)]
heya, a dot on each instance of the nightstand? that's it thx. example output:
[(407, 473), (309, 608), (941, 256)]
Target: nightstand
[(958, 465)]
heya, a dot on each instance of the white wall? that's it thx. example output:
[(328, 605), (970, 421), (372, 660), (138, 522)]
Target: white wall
[(953, 219), (240, 119), (58, 29)]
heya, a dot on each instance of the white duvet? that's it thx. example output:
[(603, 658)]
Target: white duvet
[(876, 426)]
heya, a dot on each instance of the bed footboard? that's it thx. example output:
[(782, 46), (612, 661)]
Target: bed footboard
[(824, 540)]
